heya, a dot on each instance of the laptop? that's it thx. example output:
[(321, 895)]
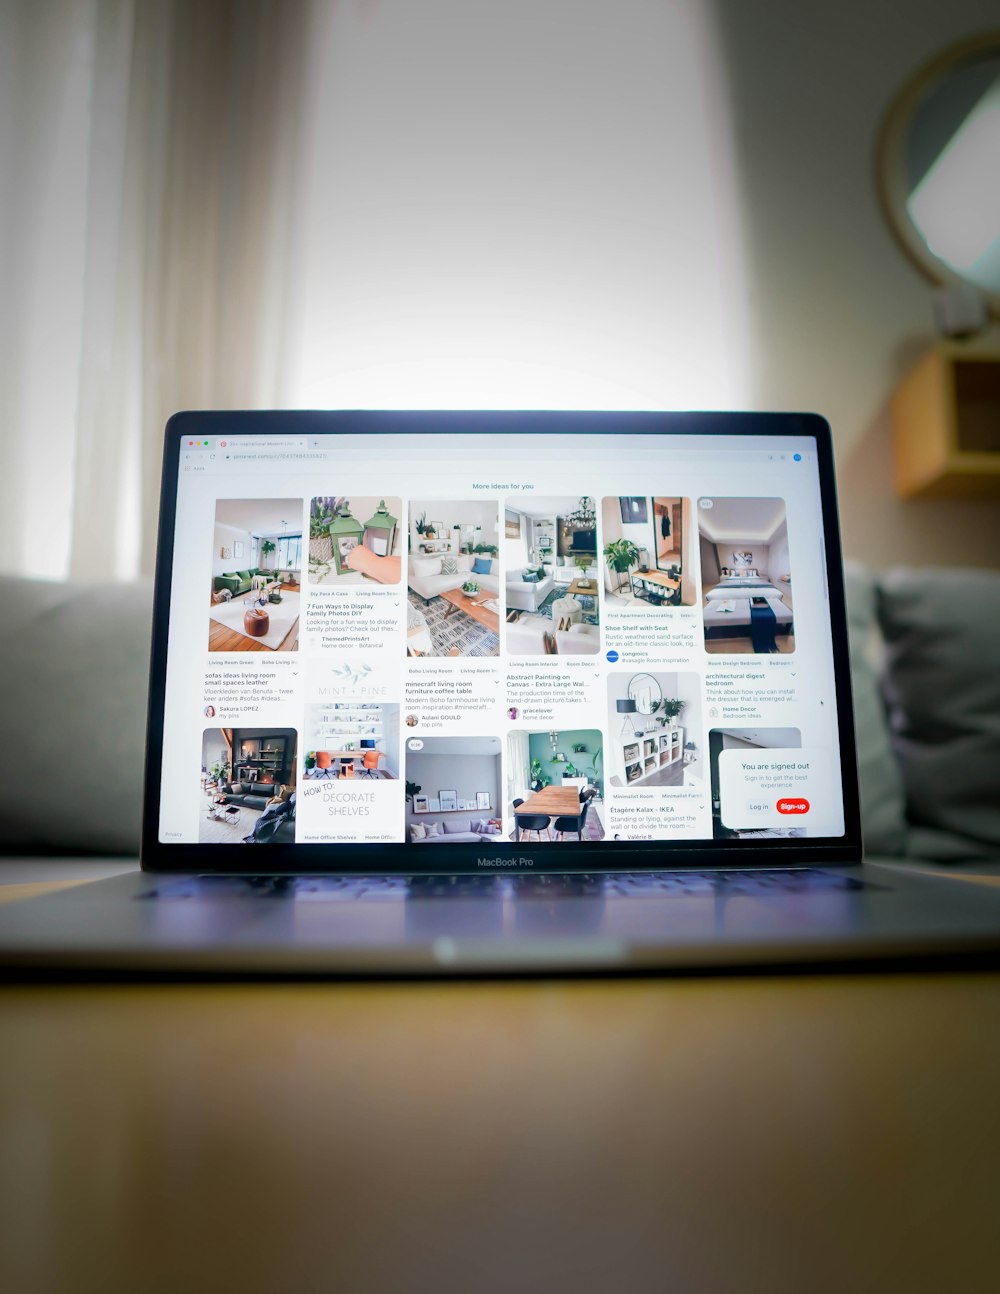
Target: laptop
[(477, 692)]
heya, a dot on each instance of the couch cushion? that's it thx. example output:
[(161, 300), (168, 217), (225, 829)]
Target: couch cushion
[(75, 722), (425, 565), (883, 816), (941, 629)]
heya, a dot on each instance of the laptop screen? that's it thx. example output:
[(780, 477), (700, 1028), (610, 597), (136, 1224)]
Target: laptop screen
[(406, 642)]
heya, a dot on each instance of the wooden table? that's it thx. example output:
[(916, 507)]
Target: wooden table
[(657, 578), (459, 601), (760, 1134), (556, 801), (589, 592)]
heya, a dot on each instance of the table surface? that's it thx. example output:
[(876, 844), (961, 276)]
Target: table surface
[(770, 1133), (474, 607), (563, 801), (656, 577)]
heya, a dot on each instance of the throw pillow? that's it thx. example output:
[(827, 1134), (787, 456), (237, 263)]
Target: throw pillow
[(883, 817), (80, 656), (418, 831), (482, 566), (941, 628), (530, 577), (433, 829), (449, 566), (540, 572)]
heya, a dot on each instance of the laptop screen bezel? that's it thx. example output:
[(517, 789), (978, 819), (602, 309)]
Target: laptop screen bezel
[(504, 856)]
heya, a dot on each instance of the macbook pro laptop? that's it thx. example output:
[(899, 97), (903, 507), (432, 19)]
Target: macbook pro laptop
[(457, 692)]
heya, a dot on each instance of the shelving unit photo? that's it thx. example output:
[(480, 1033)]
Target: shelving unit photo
[(647, 754)]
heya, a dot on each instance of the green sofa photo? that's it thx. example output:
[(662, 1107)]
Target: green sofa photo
[(238, 582)]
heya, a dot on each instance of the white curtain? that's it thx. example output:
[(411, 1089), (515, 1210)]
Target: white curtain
[(149, 151), (518, 764), (239, 203)]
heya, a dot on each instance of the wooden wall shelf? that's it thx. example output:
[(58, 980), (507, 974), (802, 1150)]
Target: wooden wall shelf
[(946, 426)]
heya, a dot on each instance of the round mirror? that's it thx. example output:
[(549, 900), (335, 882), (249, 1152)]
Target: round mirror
[(644, 690), (939, 167)]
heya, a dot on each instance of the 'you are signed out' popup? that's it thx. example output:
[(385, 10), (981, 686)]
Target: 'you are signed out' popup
[(777, 788)]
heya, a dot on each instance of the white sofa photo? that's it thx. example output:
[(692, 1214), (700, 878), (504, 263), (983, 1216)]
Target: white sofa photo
[(527, 595), (426, 577)]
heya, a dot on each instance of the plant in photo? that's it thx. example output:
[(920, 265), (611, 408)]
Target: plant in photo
[(621, 554), (492, 549), (310, 760), (412, 789), (471, 587), (267, 547), (670, 707), (220, 770), (420, 525), (539, 778), (322, 511)]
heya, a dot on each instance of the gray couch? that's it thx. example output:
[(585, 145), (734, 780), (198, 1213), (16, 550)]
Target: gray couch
[(927, 701)]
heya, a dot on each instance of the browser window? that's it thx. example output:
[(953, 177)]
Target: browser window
[(447, 639)]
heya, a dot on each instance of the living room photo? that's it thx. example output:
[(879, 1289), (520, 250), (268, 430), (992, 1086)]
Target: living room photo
[(746, 576), (552, 577), (357, 540), (453, 789), (453, 573), (647, 551), (256, 575), (248, 783), (351, 739), (555, 784)]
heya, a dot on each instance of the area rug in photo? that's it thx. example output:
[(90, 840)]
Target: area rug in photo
[(456, 631), (282, 617)]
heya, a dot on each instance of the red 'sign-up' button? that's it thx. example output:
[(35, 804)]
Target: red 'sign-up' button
[(797, 805)]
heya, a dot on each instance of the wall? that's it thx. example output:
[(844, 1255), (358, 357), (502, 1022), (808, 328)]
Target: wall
[(479, 512), (778, 558), (710, 572), (726, 554), (541, 748), (465, 774), (836, 312), (226, 536)]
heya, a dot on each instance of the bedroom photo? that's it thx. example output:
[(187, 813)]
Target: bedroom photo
[(746, 576), (256, 575)]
